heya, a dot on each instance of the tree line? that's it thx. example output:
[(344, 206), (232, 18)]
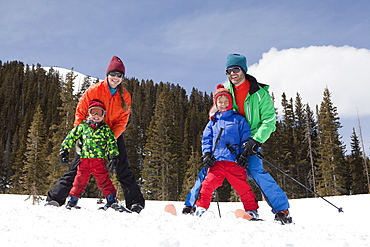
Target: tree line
[(163, 138)]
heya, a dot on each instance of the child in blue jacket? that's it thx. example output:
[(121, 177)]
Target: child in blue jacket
[(222, 142)]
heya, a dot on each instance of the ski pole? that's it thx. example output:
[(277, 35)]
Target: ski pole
[(295, 180), (232, 150), (205, 174), (218, 205)]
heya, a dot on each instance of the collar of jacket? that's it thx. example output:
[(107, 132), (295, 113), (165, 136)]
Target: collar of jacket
[(220, 115), (96, 124), (254, 85)]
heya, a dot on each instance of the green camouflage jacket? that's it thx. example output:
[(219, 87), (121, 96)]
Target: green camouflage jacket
[(96, 143)]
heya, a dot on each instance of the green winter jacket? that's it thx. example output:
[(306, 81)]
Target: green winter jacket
[(259, 109), (96, 143)]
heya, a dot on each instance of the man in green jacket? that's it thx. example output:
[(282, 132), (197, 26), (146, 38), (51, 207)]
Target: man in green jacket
[(252, 100)]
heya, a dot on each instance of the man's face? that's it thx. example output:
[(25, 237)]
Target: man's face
[(236, 78)]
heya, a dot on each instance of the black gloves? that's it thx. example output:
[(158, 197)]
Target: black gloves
[(113, 164), (63, 154), (242, 161), (251, 147), (208, 160)]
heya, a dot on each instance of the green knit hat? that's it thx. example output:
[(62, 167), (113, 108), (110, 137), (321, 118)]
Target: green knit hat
[(237, 60)]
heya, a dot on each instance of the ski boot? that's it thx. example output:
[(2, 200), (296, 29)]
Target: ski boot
[(136, 208), (200, 211), (72, 203), (253, 213), (283, 216), (111, 199), (188, 210)]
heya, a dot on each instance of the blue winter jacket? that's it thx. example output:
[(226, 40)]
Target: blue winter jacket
[(235, 132)]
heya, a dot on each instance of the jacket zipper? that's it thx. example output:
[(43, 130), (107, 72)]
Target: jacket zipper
[(248, 113)]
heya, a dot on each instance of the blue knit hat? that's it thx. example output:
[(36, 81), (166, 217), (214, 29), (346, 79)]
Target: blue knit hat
[(237, 60)]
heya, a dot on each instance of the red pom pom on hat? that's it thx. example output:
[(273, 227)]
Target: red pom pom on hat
[(220, 86)]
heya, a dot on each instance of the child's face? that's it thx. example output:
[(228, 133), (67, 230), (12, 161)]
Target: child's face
[(222, 103), (96, 114)]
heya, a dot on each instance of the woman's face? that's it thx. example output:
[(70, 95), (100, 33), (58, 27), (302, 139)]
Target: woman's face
[(114, 78)]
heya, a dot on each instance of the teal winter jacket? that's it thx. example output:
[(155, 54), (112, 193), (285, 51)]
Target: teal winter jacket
[(259, 109)]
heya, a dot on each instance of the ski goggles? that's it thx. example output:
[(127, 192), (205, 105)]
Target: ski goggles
[(234, 69), (96, 111), (118, 74)]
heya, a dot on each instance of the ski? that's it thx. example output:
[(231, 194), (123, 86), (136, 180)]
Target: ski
[(75, 207), (208, 215), (52, 203), (170, 208), (239, 213), (120, 208)]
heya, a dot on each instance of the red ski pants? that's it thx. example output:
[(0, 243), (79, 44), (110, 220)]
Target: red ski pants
[(97, 167), (236, 176)]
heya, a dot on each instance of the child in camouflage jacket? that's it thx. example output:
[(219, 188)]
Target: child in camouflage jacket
[(98, 142)]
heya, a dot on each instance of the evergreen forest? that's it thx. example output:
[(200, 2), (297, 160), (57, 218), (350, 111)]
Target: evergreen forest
[(163, 138)]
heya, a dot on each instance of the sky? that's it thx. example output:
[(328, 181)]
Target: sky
[(294, 46), (316, 223)]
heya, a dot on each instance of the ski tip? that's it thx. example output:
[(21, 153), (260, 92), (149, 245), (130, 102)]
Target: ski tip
[(170, 208), (239, 213)]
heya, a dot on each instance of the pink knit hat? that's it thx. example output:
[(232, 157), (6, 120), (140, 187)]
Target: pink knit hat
[(116, 64)]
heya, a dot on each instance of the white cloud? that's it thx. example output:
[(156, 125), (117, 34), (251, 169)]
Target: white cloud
[(344, 70)]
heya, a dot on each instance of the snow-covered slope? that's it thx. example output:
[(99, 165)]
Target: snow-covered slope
[(317, 223), (79, 76)]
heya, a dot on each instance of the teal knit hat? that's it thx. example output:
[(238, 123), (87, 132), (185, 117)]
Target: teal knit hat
[(237, 60)]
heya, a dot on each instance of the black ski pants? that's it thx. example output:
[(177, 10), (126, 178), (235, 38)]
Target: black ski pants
[(131, 189)]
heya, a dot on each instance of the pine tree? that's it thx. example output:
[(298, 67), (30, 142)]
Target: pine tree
[(143, 103), (194, 165), (34, 171), (84, 86), (311, 140), (160, 173), (20, 147), (59, 131), (11, 83), (357, 183), (365, 159), (287, 150), (301, 145), (330, 163)]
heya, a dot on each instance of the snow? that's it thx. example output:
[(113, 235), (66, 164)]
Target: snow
[(316, 223)]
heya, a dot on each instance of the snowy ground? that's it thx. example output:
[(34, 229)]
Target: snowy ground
[(317, 223)]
